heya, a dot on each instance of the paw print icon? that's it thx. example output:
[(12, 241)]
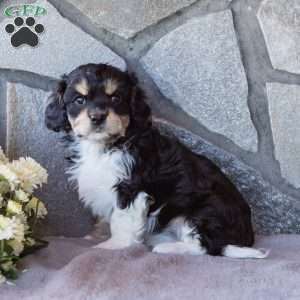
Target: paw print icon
[(24, 32)]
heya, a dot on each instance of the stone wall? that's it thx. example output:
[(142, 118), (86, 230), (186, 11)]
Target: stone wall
[(222, 75)]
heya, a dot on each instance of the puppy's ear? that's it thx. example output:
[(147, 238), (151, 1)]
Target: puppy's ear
[(55, 114), (140, 110)]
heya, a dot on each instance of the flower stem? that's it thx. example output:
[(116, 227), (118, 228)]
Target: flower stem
[(2, 248), (35, 216)]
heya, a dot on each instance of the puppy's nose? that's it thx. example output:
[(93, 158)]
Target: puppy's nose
[(97, 116)]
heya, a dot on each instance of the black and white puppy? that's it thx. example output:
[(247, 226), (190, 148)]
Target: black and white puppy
[(151, 188)]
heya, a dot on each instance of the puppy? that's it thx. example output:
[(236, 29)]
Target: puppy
[(150, 188)]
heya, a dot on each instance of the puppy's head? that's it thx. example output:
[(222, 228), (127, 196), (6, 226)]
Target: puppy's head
[(98, 102)]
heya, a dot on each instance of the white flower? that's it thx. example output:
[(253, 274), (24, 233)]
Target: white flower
[(23, 218), (18, 179), (14, 207), (18, 229), (31, 173), (3, 158), (22, 196), (9, 175), (37, 207), (6, 228), (17, 246), (11, 228)]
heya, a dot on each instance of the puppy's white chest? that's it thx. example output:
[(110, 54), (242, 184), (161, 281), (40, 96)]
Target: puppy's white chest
[(97, 174)]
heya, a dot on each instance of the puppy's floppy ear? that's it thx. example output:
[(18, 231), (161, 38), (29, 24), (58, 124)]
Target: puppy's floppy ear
[(55, 114), (140, 110)]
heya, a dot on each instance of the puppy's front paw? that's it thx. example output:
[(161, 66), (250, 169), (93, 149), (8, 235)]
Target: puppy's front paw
[(111, 244), (142, 203), (164, 248)]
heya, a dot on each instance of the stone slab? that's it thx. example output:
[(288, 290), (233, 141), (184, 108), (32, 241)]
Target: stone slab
[(198, 66), (272, 211), (280, 23), (284, 111), (28, 136), (62, 47), (127, 17)]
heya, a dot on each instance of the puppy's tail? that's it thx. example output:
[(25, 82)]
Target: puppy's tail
[(244, 252)]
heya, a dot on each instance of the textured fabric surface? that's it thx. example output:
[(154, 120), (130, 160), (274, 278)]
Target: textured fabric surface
[(72, 269)]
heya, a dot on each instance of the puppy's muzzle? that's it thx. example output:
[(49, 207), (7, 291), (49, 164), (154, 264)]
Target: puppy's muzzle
[(97, 116)]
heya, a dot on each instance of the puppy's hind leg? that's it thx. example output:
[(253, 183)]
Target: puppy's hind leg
[(179, 237), (128, 225)]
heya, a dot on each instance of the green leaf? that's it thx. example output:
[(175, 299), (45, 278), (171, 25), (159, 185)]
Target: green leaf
[(39, 244), (7, 258), (2, 178), (4, 187), (12, 273)]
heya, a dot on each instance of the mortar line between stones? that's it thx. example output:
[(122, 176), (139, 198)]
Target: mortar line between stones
[(257, 90), (248, 79), (143, 40), (30, 79), (166, 25), (282, 76), (171, 23), (77, 18), (256, 84)]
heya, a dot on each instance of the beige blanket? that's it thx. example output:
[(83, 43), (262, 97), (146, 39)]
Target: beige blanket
[(72, 269)]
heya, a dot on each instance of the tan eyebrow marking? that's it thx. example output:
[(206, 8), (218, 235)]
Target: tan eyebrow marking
[(82, 87), (110, 86)]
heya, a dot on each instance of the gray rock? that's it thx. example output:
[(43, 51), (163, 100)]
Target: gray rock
[(62, 47), (284, 112), (27, 136), (280, 23), (273, 211), (198, 66), (127, 18)]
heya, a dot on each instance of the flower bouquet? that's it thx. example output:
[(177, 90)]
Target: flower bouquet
[(19, 211)]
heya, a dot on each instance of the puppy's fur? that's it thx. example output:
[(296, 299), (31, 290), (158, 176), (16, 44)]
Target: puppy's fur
[(151, 188)]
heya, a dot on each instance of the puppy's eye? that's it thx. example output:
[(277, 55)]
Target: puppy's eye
[(79, 100), (116, 99)]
